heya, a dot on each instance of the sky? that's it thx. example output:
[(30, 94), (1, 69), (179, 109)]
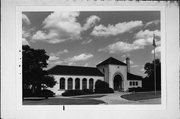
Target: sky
[(86, 38)]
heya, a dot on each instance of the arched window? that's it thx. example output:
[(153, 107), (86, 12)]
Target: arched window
[(133, 83), (62, 83), (77, 83), (84, 83), (91, 81), (70, 83), (136, 83)]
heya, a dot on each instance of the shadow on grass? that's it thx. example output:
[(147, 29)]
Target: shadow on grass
[(142, 96), (63, 101), (92, 96)]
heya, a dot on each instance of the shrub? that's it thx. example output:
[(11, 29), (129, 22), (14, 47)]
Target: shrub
[(88, 91), (73, 92), (45, 93), (138, 89), (102, 87), (27, 93)]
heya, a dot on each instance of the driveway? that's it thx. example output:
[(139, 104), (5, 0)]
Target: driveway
[(115, 98)]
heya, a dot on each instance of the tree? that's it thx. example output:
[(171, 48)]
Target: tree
[(35, 78), (148, 82)]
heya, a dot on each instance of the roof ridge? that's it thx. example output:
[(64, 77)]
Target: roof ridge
[(111, 60)]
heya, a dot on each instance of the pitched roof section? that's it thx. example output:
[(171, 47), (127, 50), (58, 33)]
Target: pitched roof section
[(133, 77), (74, 70), (111, 60)]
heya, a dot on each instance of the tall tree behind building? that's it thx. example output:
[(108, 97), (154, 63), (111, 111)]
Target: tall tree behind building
[(148, 82)]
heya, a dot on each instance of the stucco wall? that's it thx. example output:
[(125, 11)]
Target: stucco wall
[(56, 89), (105, 70), (121, 70), (135, 86)]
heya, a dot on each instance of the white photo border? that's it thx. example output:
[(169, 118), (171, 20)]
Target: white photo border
[(20, 9)]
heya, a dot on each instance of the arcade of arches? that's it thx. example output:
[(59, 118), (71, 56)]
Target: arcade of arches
[(77, 83)]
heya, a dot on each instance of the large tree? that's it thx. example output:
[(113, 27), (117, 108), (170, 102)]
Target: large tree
[(148, 82), (34, 62)]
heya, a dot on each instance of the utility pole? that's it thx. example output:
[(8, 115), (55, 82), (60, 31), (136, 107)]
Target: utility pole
[(154, 44)]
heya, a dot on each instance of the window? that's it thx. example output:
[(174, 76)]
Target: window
[(136, 83), (70, 84), (133, 83), (130, 83), (62, 83), (91, 81), (84, 83), (103, 70), (77, 83)]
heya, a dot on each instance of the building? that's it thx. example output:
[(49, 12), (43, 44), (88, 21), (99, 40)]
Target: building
[(114, 72)]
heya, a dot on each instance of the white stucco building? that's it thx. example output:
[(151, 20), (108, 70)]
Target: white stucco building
[(114, 72)]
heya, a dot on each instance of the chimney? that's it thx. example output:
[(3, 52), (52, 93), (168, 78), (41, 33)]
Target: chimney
[(128, 64)]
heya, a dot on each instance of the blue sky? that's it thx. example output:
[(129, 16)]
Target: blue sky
[(85, 38)]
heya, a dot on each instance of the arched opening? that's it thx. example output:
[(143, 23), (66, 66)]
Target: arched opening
[(91, 81), (77, 83), (62, 83), (84, 83), (117, 82), (70, 83)]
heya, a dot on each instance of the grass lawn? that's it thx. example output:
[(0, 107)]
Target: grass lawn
[(62, 101), (141, 96)]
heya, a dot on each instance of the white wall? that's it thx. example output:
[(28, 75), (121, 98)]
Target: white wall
[(134, 86), (56, 89), (118, 69)]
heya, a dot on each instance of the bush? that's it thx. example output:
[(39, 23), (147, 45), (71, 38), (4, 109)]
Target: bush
[(27, 93), (102, 87), (73, 93), (138, 89), (88, 91), (41, 93), (46, 93)]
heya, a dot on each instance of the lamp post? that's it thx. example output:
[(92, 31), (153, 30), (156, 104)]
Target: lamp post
[(154, 45)]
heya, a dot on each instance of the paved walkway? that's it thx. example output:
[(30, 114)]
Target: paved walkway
[(115, 98)]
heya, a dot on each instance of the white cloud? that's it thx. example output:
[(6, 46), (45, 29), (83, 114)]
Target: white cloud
[(86, 65), (143, 70), (147, 34), (80, 57), (59, 62), (154, 22), (134, 66), (91, 22), (86, 42), (121, 47), (157, 51), (52, 58), (25, 42), (143, 38), (116, 29), (59, 27), (25, 19)]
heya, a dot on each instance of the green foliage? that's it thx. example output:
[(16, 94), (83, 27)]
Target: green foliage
[(102, 87), (35, 78)]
